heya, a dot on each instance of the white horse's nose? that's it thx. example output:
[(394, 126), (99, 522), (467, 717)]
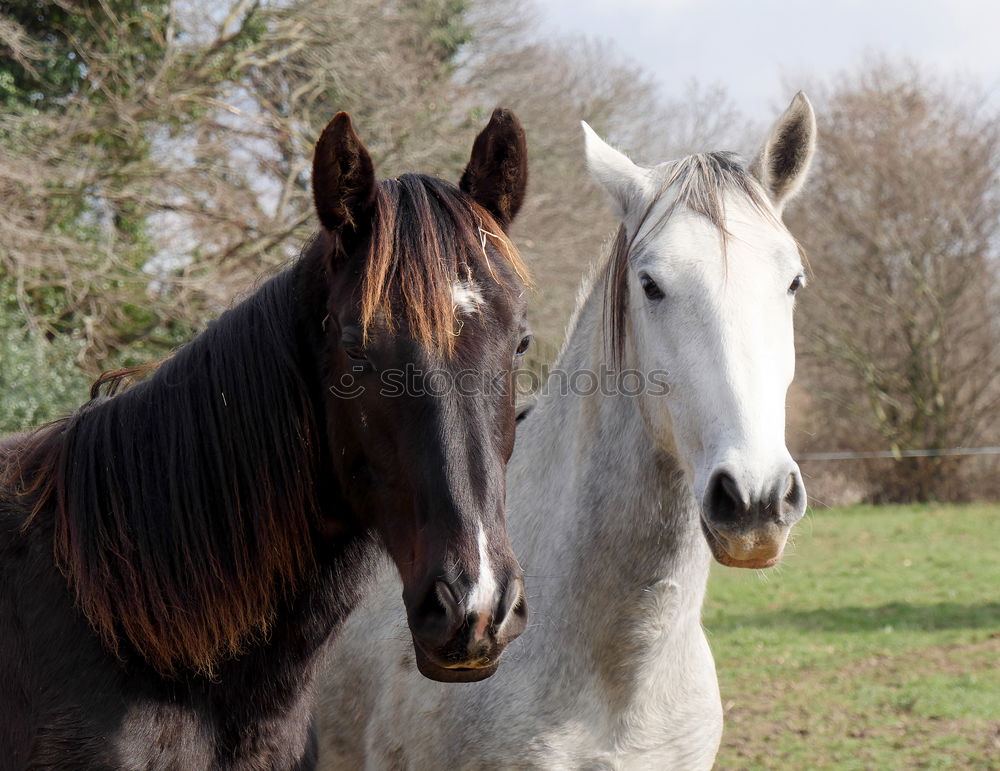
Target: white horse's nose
[(746, 528), (730, 505)]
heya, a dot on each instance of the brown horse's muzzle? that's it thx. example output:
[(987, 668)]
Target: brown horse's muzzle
[(459, 634)]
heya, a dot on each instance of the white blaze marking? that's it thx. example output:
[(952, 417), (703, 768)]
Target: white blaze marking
[(466, 296), (483, 594)]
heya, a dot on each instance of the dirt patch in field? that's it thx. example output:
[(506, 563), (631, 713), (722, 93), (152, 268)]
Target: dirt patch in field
[(870, 713), (945, 659)]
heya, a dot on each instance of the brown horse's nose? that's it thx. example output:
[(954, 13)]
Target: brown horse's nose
[(446, 618)]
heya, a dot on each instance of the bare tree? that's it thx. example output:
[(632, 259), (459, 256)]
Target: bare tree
[(84, 167), (902, 221), (173, 169)]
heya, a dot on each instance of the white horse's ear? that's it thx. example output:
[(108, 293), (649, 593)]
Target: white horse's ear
[(621, 179), (783, 162)]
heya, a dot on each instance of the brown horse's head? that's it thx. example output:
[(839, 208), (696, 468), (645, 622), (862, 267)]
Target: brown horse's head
[(426, 321)]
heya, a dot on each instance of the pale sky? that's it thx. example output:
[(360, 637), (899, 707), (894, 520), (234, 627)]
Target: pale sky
[(751, 46)]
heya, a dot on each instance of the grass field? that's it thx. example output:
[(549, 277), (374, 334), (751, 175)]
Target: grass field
[(875, 645)]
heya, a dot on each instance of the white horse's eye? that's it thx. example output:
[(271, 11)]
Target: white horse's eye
[(797, 283), (653, 292)]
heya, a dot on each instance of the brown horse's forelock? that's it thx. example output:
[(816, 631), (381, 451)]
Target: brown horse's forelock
[(426, 235), (183, 507), (700, 184)]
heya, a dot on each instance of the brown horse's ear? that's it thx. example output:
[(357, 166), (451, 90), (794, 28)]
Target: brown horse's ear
[(497, 174), (343, 177)]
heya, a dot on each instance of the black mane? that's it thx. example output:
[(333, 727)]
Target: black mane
[(184, 505)]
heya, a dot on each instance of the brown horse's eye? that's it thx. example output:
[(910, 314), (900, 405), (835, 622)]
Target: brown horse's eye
[(351, 343), (653, 292), (523, 345), (797, 283)]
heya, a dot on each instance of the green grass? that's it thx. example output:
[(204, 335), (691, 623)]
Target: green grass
[(874, 645)]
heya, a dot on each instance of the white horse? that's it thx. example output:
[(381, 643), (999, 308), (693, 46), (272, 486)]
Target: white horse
[(616, 501)]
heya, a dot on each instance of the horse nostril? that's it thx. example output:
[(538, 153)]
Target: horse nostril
[(793, 503), (726, 504), (446, 595), (512, 613), (439, 614)]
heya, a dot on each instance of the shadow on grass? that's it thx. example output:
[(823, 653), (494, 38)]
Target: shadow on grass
[(898, 615)]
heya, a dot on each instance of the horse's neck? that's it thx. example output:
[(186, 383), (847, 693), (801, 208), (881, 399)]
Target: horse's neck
[(220, 459), (605, 524)]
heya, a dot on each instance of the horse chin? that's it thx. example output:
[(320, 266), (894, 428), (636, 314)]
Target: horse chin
[(451, 674), (759, 559)]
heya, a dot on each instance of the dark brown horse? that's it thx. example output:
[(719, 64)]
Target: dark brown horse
[(175, 556)]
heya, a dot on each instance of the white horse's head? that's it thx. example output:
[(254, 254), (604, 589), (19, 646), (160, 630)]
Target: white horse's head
[(701, 286)]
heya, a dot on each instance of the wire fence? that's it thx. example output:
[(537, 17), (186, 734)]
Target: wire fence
[(897, 454)]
